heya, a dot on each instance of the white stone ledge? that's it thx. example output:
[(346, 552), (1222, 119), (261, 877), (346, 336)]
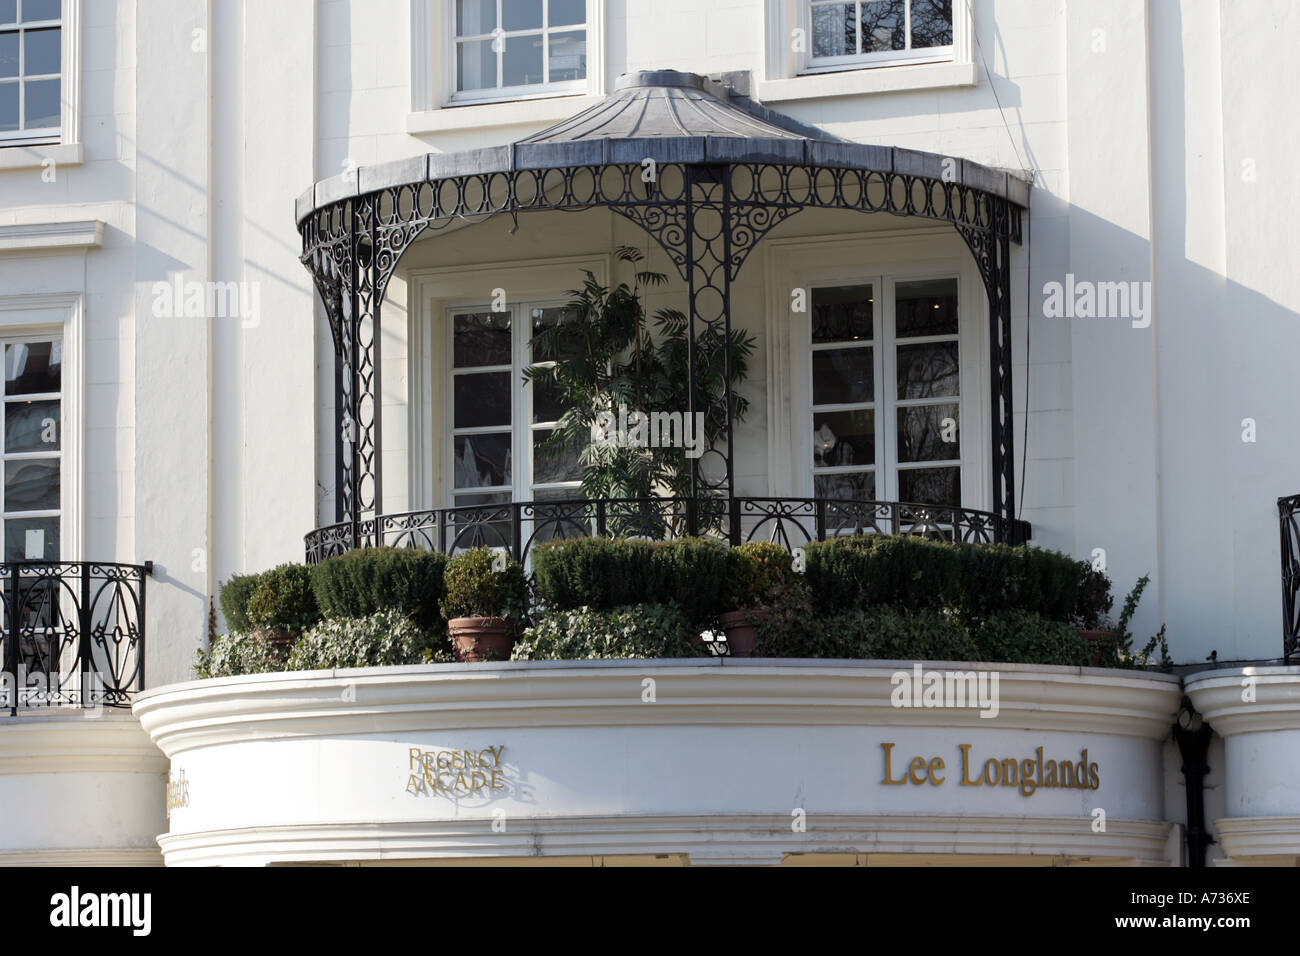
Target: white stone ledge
[(51, 236), (753, 692), (1260, 840), (36, 156), (761, 838), (1272, 704), (888, 79)]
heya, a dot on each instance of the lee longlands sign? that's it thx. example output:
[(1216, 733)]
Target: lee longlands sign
[(464, 772), (1029, 774)]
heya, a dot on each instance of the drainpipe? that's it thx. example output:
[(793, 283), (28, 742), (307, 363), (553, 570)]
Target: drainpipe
[(1192, 735)]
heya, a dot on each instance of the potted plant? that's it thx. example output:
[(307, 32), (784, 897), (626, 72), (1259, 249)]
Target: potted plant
[(484, 602), (759, 574), (1091, 609), (282, 606)]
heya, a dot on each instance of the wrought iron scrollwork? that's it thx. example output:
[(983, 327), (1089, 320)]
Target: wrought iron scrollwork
[(73, 633), (1288, 510)]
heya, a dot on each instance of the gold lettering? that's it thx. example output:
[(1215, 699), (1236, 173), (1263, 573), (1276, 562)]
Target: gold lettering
[(991, 779), (918, 763), (1067, 774), (460, 781), (1093, 776), (1009, 771), (888, 773), (1028, 783), (417, 757), (496, 753), (497, 784), (935, 764), (966, 781), (477, 780), (1051, 780)]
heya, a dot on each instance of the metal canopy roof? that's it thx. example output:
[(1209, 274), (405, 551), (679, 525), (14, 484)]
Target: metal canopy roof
[(671, 117)]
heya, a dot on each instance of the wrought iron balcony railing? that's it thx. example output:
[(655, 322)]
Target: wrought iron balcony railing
[(790, 522), (1288, 510), (73, 633)]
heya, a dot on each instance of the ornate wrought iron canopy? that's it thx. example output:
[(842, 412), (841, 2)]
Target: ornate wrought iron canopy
[(705, 172)]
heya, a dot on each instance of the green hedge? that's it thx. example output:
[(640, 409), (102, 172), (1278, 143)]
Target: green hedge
[(283, 600), (978, 580), (638, 631), (235, 595), (472, 587), (365, 582), (603, 574)]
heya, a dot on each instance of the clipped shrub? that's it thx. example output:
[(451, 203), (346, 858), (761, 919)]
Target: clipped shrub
[(238, 653), (879, 633), (637, 631), (605, 573), (873, 570), (759, 574), (283, 600), (235, 595), (1023, 637), (385, 638), (1093, 602), (472, 587), (365, 582), (997, 577)]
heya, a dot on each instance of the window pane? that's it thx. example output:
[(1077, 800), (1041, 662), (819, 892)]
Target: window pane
[(42, 104), (8, 11), (34, 10), (931, 23), (32, 367), (550, 466), (476, 65), (884, 25), (927, 371), (567, 344), (31, 539), (521, 15), (548, 404), (844, 438), (856, 484), (928, 307), (843, 376), (568, 52), (482, 338), (9, 54), (40, 52), (930, 486), (32, 426), (564, 12), (482, 461), (482, 400), (842, 313), (522, 60), (476, 17), (922, 430), (32, 485), (8, 107), (835, 33)]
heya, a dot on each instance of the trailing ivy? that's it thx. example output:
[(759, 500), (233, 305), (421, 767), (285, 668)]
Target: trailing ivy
[(638, 631)]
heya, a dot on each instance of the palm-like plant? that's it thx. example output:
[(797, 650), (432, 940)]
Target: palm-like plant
[(602, 354)]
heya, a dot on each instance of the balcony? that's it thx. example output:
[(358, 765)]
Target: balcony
[(789, 522), (73, 634)]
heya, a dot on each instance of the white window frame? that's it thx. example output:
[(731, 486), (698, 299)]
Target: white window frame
[(882, 260), (433, 69), (789, 74), (69, 129), (433, 292), (522, 487), (859, 61), (59, 316)]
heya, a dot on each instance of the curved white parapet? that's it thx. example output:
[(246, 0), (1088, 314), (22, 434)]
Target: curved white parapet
[(707, 761), (1256, 710), (80, 789)]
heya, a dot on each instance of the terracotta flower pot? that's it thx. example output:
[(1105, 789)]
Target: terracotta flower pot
[(282, 641), (741, 634), (1099, 642), (481, 638)]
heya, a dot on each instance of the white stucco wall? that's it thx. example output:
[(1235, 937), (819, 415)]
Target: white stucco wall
[(208, 446)]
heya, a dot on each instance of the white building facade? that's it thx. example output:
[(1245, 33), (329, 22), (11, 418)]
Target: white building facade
[(1117, 374)]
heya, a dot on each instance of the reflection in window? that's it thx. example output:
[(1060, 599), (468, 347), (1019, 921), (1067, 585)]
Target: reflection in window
[(519, 44), (866, 31), (31, 448)]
